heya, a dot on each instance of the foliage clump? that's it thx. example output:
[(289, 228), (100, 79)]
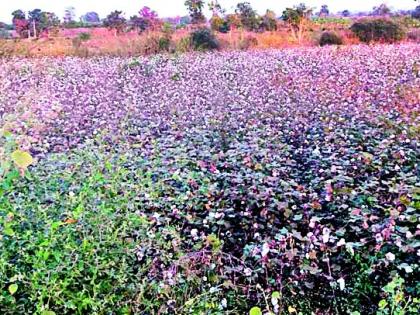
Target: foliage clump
[(378, 30), (330, 38), (204, 39)]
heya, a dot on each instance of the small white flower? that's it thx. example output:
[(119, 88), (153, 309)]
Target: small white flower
[(349, 248), (274, 301), (248, 272), (379, 238), (219, 215), (265, 250), (194, 232), (390, 256), (341, 242), (342, 283), (224, 303), (326, 235)]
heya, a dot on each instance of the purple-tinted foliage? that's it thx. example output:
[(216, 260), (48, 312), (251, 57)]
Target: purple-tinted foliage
[(303, 162)]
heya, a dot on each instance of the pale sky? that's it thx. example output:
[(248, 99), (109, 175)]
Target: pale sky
[(167, 8)]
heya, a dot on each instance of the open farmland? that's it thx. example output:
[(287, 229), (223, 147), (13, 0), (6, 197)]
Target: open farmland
[(212, 183)]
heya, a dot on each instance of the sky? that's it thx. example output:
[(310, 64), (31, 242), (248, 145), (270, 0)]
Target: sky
[(168, 8)]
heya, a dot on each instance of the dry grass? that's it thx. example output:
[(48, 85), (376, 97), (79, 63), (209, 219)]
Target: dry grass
[(104, 42)]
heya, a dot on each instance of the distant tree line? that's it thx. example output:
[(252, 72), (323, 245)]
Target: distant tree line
[(34, 23)]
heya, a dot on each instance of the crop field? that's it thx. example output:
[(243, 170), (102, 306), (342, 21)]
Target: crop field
[(263, 182)]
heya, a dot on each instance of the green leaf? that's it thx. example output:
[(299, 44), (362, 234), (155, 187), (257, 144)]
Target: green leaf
[(189, 302), (275, 295), (255, 311), (48, 313), (13, 288), (8, 231), (382, 304), (22, 159), (297, 217)]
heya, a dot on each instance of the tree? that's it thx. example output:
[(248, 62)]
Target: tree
[(381, 10), (150, 16), (269, 21), (90, 18), (69, 15), (35, 18), (138, 23), (416, 13), (147, 19), (248, 16), (39, 21), (20, 23), (48, 21), (324, 12), (345, 13), (216, 8), (115, 21), (19, 14), (234, 21), (195, 8), (217, 22), (297, 18)]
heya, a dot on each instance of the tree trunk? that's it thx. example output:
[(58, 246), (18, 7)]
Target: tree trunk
[(34, 26)]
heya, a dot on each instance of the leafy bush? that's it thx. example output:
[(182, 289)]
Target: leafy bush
[(219, 24), (204, 39), (164, 44), (408, 22), (216, 22), (380, 30), (84, 36), (330, 38), (225, 27), (155, 44)]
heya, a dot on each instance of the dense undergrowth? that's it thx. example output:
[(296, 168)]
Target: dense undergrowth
[(283, 182)]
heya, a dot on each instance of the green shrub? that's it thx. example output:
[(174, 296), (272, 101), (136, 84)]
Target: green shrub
[(84, 36), (218, 24), (204, 39), (330, 38), (155, 44), (225, 27), (78, 254), (164, 44), (378, 30)]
